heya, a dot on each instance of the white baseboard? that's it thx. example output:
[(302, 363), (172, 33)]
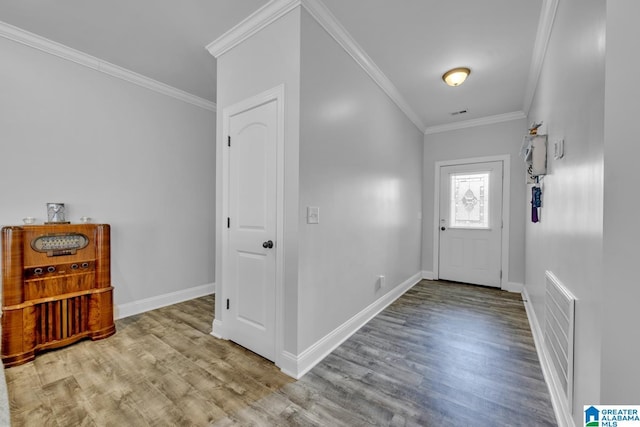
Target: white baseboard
[(427, 275), (288, 364), (563, 415), (217, 330), (513, 287), (297, 366), (136, 307)]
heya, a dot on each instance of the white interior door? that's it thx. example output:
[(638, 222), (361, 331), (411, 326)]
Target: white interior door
[(251, 225), (471, 223)]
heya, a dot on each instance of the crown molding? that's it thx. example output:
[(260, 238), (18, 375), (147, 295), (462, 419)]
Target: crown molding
[(277, 8), (35, 41), (253, 23), (330, 23), (489, 120), (543, 34)]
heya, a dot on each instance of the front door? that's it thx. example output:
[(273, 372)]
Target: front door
[(251, 264), (471, 223)]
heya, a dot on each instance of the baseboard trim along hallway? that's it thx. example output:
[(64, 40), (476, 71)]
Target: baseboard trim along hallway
[(427, 275), (147, 304), (297, 366)]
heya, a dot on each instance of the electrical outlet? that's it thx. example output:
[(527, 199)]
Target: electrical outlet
[(382, 281)]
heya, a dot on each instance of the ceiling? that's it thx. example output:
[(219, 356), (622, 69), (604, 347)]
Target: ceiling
[(413, 42)]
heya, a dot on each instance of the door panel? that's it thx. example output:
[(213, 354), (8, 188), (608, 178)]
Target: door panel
[(456, 246), (480, 254), (252, 222), (251, 152), (471, 223), (252, 289)]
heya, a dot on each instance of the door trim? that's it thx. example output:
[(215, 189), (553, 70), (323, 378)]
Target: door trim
[(275, 94), (506, 200)]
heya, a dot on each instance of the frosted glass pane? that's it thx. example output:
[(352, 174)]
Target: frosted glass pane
[(469, 200)]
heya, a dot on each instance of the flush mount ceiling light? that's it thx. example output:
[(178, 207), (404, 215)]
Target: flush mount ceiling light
[(456, 76)]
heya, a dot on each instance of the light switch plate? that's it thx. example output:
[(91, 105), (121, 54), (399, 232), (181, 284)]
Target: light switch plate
[(558, 149), (313, 215)]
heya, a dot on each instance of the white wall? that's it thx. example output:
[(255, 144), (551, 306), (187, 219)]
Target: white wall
[(116, 152), (349, 151), (620, 291), (488, 140), (568, 240), (262, 62), (360, 163)]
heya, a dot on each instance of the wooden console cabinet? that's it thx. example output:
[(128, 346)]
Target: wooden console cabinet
[(56, 287)]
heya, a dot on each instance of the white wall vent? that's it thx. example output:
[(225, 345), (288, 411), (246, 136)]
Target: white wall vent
[(559, 331)]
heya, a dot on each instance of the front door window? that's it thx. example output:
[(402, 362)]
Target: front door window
[(469, 200)]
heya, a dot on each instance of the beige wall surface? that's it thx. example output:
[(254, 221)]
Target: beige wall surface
[(118, 153), (361, 164), (568, 239), (620, 291)]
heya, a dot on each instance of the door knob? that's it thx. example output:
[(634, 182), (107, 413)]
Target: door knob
[(442, 228), (268, 244)]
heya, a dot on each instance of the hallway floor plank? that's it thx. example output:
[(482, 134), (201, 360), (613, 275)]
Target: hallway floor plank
[(443, 354)]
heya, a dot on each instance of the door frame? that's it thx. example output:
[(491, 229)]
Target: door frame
[(222, 291), (506, 203)]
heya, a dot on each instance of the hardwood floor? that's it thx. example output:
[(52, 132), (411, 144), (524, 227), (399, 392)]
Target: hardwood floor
[(444, 354)]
